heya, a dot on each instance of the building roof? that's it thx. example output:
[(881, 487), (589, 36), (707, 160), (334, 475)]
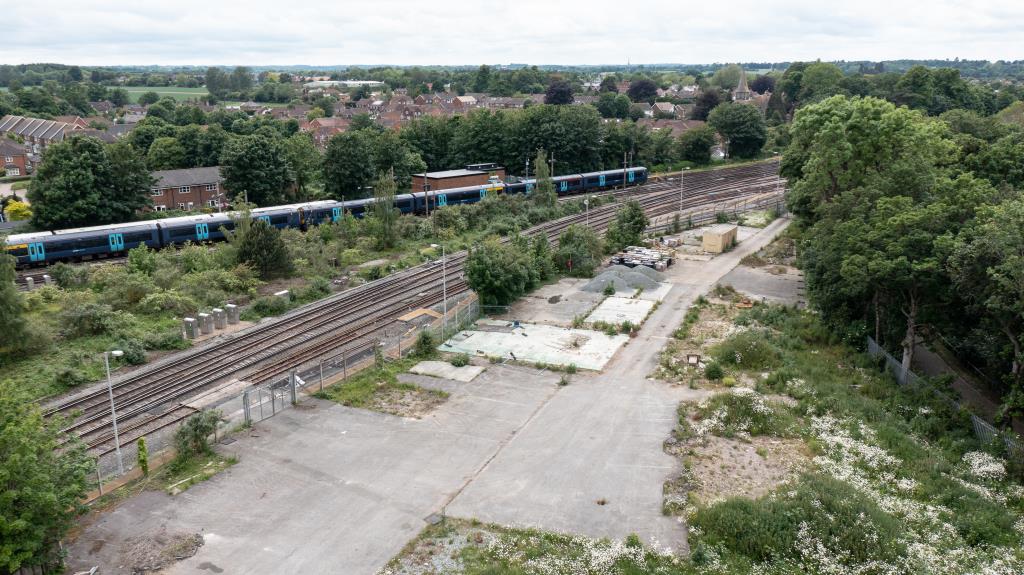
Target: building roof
[(11, 148), (34, 127), (187, 177), (451, 174)]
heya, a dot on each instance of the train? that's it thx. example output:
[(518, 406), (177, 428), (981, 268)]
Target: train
[(44, 248)]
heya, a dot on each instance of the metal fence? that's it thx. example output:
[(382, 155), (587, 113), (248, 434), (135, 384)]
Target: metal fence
[(694, 217), (270, 398), (983, 430)]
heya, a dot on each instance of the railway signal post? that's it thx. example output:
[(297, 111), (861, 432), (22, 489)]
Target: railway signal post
[(113, 412)]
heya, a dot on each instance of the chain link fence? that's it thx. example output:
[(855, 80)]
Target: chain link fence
[(393, 341), (983, 430)]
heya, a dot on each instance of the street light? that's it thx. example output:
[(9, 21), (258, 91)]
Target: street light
[(586, 204), (444, 289), (113, 413), (681, 174)]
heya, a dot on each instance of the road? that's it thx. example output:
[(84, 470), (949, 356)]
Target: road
[(325, 488)]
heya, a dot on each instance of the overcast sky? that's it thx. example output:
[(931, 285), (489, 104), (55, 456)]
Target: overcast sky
[(323, 32)]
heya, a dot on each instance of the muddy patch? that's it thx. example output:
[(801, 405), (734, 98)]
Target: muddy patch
[(720, 468), (414, 403)]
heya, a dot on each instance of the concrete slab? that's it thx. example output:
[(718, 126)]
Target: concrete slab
[(758, 283), (327, 488), (554, 304), (657, 294), (586, 349), (445, 370), (617, 310)]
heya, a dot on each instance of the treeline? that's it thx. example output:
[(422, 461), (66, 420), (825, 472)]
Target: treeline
[(912, 228)]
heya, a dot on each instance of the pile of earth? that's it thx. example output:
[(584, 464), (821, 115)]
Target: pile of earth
[(624, 279)]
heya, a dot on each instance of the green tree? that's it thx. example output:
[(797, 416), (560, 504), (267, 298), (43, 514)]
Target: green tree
[(166, 154), (256, 165), (694, 145), (259, 246), (43, 486), (706, 101), (385, 214), (643, 91), (818, 81), (628, 227), (579, 251), (499, 273), (148, 98), (558, 92), (304, 160), (12, 308), (608, 84), (742, 127), (727, 77), (193, 437), (348, 166), (120, 97), (85, 182), (544, 191)]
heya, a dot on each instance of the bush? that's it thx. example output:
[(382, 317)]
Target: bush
[(425, 344), (460, 360), (609, 289), (83, 318), (713, 371), (169, 339), (318, 287), (270, 305), (168, 301), (70, 377), (744, 411), (193, 437), (626, 327), (70, 277), (750, 349), (134, 352)]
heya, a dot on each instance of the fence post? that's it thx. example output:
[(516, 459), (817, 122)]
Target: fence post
[(245, 407), (321, 375), (99, 478), (292, 384), (344, 365)]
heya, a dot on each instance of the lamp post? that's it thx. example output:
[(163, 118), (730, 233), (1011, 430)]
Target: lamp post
[(681, 174), (444, 289), (113, 412), (586, 204)]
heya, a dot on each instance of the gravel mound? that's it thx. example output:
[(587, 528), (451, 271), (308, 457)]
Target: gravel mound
[(598, 284), (649, 272), (638, 280)]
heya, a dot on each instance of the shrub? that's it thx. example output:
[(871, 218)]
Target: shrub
[(318, 287), (609, 289), (713, 371), (626, 327), (460, 360), (748, 350), (743, 411), (571, 368), (70, 377), (134, 352), (270, 305), (70, 277), (142, 456), (168, 301), (86, 318), (425, 344), (168, 339), (193, 437)]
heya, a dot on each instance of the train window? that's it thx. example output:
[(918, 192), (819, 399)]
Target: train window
[(279, 219), (137, 237)]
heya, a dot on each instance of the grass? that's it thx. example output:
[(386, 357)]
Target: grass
[(179, 94), (17, 186), (366, 387), (178, 475)]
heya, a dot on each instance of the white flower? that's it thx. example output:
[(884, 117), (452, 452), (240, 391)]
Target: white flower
[(984, 466)]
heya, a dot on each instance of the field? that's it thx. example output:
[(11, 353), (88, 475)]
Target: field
[(164, 91)]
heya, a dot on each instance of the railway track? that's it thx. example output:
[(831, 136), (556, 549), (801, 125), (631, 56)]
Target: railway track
[(156, 396)]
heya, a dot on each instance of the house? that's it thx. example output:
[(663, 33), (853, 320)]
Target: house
[(464, 102), (16, 158), (73, 121), (102, 107), (503, 103), (36, 133), (663, 109), (323, 129), (188, 189), (579, 99), (472, 175)]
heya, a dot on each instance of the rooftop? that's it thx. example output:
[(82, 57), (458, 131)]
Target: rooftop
[(187, 177)]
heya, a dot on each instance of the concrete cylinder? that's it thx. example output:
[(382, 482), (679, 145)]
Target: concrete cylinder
[(191, 328), (205, 323), (47, 279), (220, 319), (232, 311), (31, 283), (282, 294)]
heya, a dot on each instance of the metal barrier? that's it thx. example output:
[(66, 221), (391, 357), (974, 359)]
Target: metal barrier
[(696, 217), (270, 398), (983, 430)]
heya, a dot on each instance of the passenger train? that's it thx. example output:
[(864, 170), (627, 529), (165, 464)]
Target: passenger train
[(42, 248)]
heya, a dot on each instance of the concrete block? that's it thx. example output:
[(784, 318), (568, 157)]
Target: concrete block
[(205, 323), (232, 312), (220, 319), (31, 283), (282, 294), (191, 327), (47, 279)]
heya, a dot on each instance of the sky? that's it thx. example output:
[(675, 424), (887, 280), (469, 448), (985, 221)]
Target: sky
[(323, 32)]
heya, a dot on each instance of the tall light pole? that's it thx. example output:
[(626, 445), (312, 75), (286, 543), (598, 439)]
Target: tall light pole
[(586, 204), (681, 174), (113, 412), (444, 289)]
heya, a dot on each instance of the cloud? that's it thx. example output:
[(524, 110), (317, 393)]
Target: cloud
[(319, 32)]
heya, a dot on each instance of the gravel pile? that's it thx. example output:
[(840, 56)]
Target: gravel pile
[(624, 279)]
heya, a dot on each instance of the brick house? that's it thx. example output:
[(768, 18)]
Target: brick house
[(473, 175), (37, 133), (188, 189), (16, 160)]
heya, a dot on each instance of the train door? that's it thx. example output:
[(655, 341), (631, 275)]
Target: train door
[(264, 218), (632, 177), (600, 180), (116, 242), (483, 193), (529, 188), (335, 214), (442, 200), (202, 231), (563, 186), (36, 252)]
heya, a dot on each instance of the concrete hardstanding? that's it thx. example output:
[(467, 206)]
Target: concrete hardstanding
[(329, 489)]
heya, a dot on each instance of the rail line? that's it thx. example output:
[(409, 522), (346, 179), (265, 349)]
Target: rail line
[(156, 396)]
